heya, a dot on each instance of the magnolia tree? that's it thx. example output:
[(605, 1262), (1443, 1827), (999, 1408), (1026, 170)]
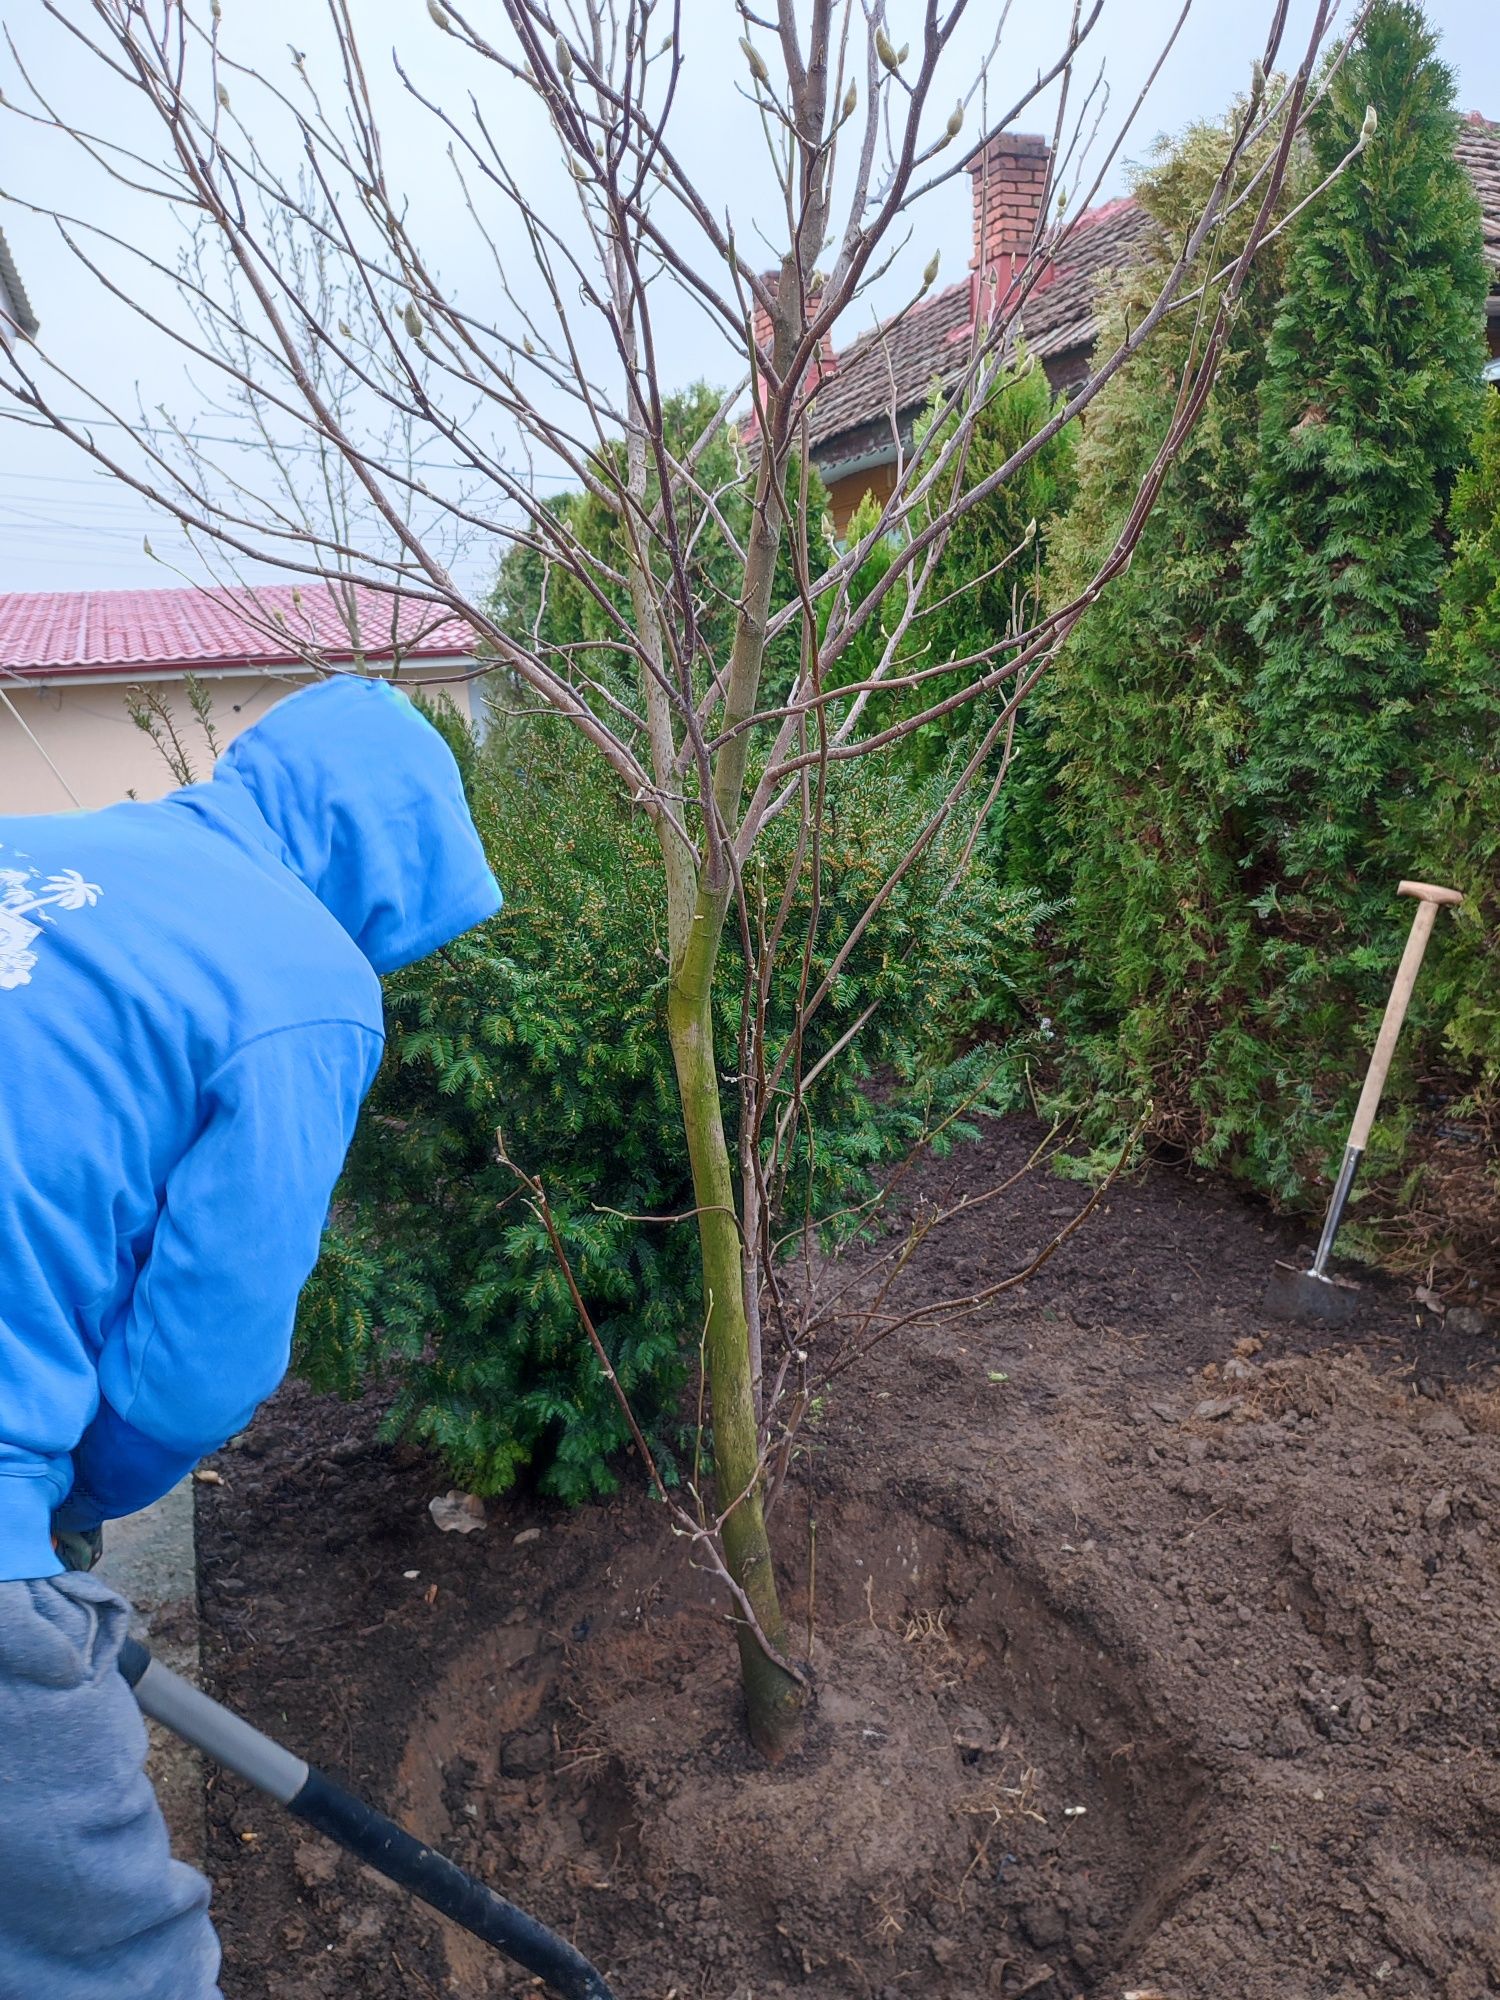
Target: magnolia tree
[(442, 409)]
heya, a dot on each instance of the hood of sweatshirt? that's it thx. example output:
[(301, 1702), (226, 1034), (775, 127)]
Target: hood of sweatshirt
[(364, 798)]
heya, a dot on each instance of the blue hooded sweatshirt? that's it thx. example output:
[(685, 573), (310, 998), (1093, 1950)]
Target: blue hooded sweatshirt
[(189, 1019)]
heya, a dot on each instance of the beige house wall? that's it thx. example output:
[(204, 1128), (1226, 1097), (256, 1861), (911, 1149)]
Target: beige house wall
[(87, 732)]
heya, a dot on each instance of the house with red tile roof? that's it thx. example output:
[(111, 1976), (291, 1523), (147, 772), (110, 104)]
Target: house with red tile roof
[(868, 397), (72, 661)]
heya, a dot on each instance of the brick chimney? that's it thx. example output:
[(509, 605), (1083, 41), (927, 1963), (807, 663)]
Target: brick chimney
[(1010, 171)]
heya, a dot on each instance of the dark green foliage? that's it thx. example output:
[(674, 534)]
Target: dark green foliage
[(938, 964), (549, 1026), (544, 1026), (1146, 714), (1371, 391), (1247, 717), (1450, 825), (988, 581), (862, 656)]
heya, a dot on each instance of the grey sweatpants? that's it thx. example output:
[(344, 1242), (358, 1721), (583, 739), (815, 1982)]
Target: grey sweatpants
[(92, 1905)]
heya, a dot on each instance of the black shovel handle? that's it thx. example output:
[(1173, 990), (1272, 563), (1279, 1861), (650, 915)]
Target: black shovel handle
[(376, 1840)]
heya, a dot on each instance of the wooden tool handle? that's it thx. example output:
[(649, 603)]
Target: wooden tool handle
[(1430, 901), (1429, 892)]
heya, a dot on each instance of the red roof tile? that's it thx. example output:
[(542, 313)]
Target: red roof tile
[(1478, 150), (121, 632)]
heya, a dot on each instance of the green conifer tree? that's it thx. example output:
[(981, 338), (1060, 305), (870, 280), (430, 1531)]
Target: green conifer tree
[(1454, 834), (1145, 710), (1370, 394), (989, 580)]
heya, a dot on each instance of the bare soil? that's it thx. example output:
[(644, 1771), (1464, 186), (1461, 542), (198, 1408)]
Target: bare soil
[(1158, 1650)]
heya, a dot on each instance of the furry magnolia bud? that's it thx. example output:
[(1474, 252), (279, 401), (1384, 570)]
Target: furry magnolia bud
[(564, 61), (755, 59), (1367, 130), (851, 101), (223, 96), (884, 50), (412, 319), (955, 123), (440, 16), (930, 274)]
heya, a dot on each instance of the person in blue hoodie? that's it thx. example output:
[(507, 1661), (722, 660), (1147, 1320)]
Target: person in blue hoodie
[(190, 1017)]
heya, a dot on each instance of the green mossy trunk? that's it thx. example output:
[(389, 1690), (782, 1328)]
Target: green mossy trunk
[(773, 1698)]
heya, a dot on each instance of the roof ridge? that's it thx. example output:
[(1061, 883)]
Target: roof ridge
[(189, 628), (1102, 211), (15, 291)]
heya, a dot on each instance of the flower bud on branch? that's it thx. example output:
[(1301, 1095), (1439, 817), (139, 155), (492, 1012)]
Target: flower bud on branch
[(756, 60)]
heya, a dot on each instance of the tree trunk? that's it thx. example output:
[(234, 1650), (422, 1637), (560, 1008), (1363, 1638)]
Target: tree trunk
[(773, 1699)]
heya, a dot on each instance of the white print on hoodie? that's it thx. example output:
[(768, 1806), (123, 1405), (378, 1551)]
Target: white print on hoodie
[(25, 900)]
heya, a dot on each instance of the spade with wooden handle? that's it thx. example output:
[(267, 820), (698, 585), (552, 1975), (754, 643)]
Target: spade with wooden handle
[(1313, 1294)]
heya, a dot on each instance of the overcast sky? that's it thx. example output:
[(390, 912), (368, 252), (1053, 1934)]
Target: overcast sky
[(64, 527)]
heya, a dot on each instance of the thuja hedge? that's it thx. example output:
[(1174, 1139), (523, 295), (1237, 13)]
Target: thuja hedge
[(1267, 723)]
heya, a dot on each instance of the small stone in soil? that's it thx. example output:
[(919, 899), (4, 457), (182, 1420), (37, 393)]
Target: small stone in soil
[(457, 1513), (1214, 1407)]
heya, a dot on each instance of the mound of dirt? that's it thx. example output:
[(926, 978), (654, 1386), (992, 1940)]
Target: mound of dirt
[(1155, 1649)]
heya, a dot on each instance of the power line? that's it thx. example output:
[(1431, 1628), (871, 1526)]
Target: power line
[(259, 444), (61, 478)]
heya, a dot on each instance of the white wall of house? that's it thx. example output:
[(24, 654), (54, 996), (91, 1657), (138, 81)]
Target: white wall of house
[(86, 731)]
